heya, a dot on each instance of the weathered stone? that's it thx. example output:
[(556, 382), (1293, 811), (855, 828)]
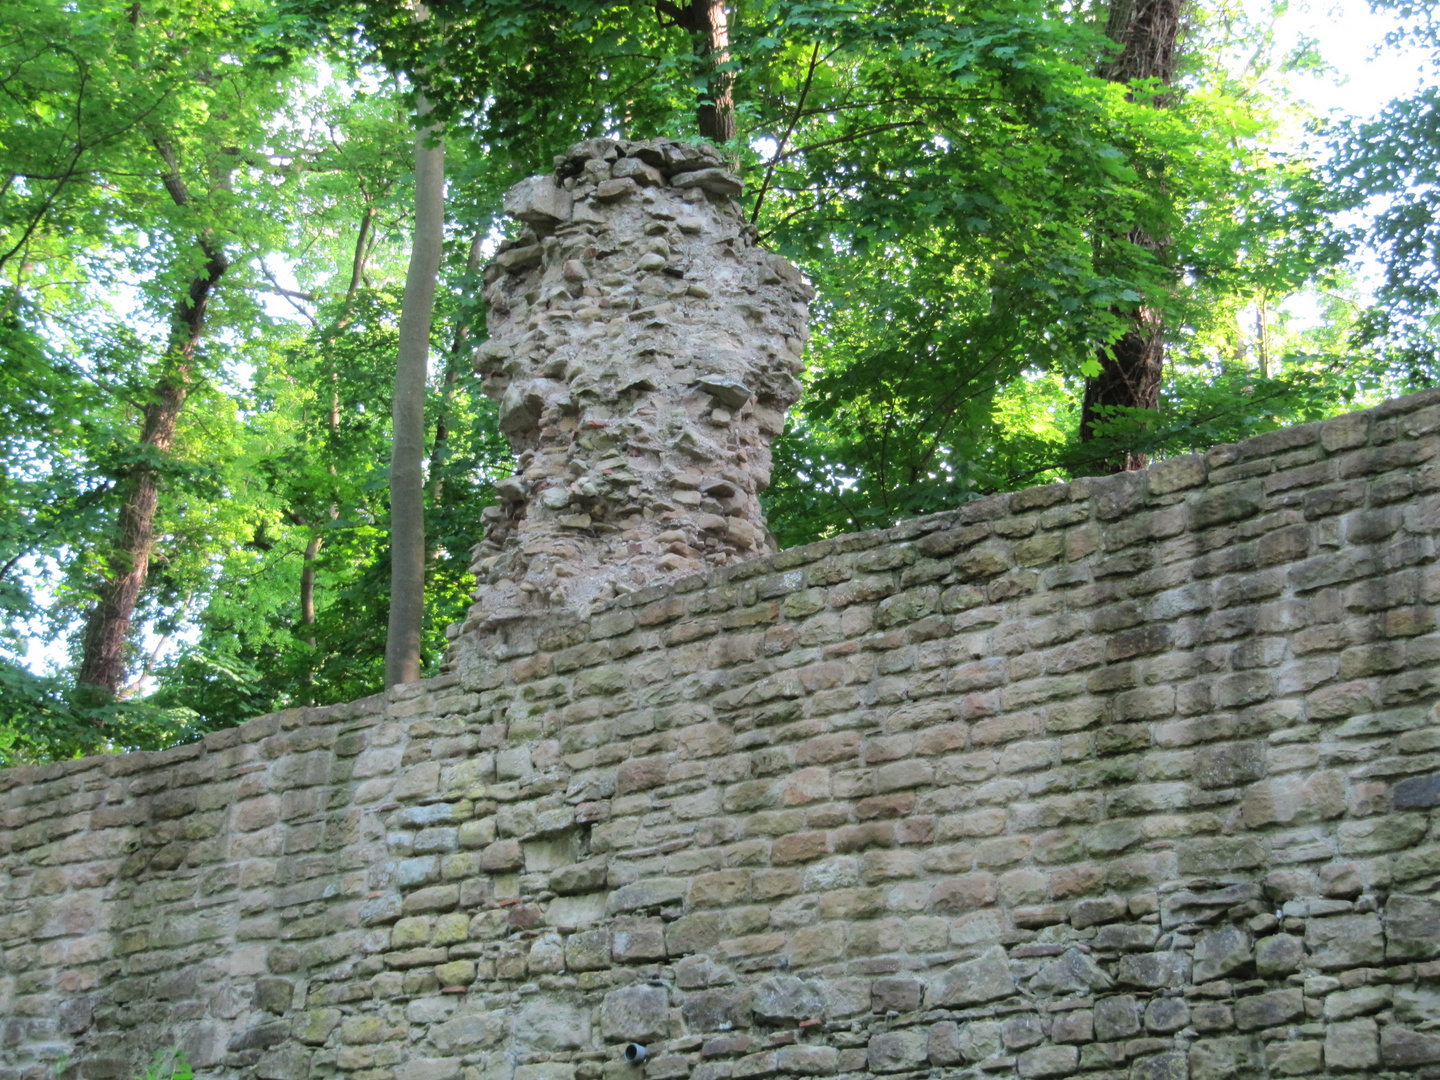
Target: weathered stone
[(722, 1009), (539, 201), (897, 1051), (1344, 941), (1405, 1049), (1073, 973), (1343, 1004), (1278, 954), (785, 997), (273, 995), (974, 982), (1048, 1061), (635, 1014), (1173, 1065), (1352, 1045), (547, 1023), (1412, 928), (807, 1060), (1116, 1018), (716, 181), (1154, 971), (1221, 952), (1224, 1058), (1269, 1010), (1417, 793)]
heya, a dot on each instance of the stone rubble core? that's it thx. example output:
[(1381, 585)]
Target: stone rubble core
[(643, 352)]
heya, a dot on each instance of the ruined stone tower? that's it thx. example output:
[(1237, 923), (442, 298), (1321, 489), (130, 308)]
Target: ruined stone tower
[(643, 352)]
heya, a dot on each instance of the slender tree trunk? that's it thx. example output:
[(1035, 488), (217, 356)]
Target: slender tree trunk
[(107, 626), (706, 19), (407, 458), (1132, 367), (447, 398)]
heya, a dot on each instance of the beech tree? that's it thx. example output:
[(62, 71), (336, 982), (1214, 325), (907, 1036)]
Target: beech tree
[(997, 204)]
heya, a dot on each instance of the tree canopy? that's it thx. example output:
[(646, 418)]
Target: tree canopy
[(207, 212)]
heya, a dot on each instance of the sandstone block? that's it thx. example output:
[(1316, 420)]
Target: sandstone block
[(1048, 1061), (1405, 1049), (1220, 952), (1117, 1018), (1224, 1058), (785, 997), (635, 1014), (973, 982), (1278, 954), (1344, 941), (897, 1051), (807, 1060), (1352, 1045), (1412, 928), (1269, 1010)]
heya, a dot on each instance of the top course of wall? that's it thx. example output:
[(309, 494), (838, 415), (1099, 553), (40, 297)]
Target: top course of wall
[(1132, 777)]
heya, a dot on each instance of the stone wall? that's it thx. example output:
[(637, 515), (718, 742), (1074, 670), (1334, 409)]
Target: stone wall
[(1133, 777)]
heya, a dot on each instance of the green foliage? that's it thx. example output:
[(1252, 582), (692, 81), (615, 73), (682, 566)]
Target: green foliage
[(168, 1064), (968, 197)]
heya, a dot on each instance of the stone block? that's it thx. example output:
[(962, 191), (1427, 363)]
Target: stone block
[(897, 1051), (1172, 1065), (1353, 1044), (639, 1013), (539, 201), (974, 982), (1417, 793), (1269, 1010), (1117, 1018), (1299, 1057), (1412, 927), (314, 1026), (1046, 1061), (1228, 1058), (1402, 1048), (787, 998), (633, 940), (1278, 954), (807, 1060), (1344, 941), (273, 995), (1155, 970), (725, 1008), (1221, 952)]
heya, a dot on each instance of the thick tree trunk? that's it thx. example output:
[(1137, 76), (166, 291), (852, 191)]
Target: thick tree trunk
[(407, 458), (107, 626), (1130, 374), (706, 19), (1131, 368)]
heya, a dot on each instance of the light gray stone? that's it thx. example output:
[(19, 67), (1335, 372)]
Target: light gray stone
[(785, 997), (973, 982), (635, 1014)]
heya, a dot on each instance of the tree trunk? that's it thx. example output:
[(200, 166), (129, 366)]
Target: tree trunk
[(1130, 375), (706, 19), (107, 626), (407, 457), (1131, 368)]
